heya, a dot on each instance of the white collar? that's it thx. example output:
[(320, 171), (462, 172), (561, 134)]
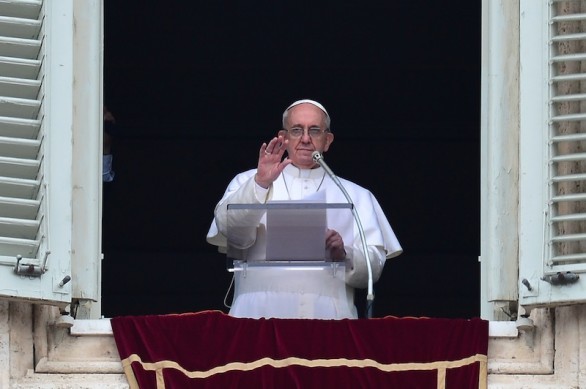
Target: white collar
[(314, 174)]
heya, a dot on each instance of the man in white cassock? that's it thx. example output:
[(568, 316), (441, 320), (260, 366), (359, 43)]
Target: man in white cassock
[(271, 291)]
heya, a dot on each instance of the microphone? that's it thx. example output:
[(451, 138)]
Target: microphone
[(319, 159)]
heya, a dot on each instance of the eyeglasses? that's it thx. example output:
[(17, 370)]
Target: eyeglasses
[(313, 132)]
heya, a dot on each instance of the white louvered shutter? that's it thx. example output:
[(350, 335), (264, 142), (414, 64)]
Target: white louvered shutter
[(36, 105), (553, 153)]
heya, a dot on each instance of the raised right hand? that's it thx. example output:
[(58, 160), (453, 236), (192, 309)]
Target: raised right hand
[(270, 161)]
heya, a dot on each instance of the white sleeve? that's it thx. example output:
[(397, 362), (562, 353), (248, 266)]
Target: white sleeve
[(356, 268), (243, 189)]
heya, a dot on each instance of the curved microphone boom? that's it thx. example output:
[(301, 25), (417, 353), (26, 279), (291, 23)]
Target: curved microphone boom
[(319, 159)]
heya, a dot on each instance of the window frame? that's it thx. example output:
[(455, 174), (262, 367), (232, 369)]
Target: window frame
[(71, 131)]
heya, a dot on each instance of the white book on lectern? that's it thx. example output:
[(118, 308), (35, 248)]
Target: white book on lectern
[(297, 234)]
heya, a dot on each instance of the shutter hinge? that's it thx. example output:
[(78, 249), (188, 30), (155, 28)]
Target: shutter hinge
[(561, 278), (30, 270)]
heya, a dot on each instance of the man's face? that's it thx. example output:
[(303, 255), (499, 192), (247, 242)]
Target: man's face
[(309, 119)]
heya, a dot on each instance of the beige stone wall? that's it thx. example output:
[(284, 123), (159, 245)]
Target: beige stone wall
[(60, 359), (552, 354)]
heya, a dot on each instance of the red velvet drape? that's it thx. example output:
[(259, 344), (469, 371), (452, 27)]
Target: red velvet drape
[(213, 350)]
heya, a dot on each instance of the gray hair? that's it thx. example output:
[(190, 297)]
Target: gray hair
[(308, 101)]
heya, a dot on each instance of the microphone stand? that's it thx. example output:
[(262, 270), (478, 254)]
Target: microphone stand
[(318, 158)]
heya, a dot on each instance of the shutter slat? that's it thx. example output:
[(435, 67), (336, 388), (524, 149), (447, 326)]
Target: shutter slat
[(568, 37), (18, 187), (569, 97), (569, 177), (568, 138), (569, 18), (14, 246), (19, 128), (569, 57), (19, 108), (27, 9), (19, 228), (19, 208), (569, 238), (569, 157), (571, 217), (569, 197), (19, 87), (21, 148), (19, 27), (560, 267), (20, 67), (18, 167), (19, 48), (568, 77), (568, 258), (569, 118)]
